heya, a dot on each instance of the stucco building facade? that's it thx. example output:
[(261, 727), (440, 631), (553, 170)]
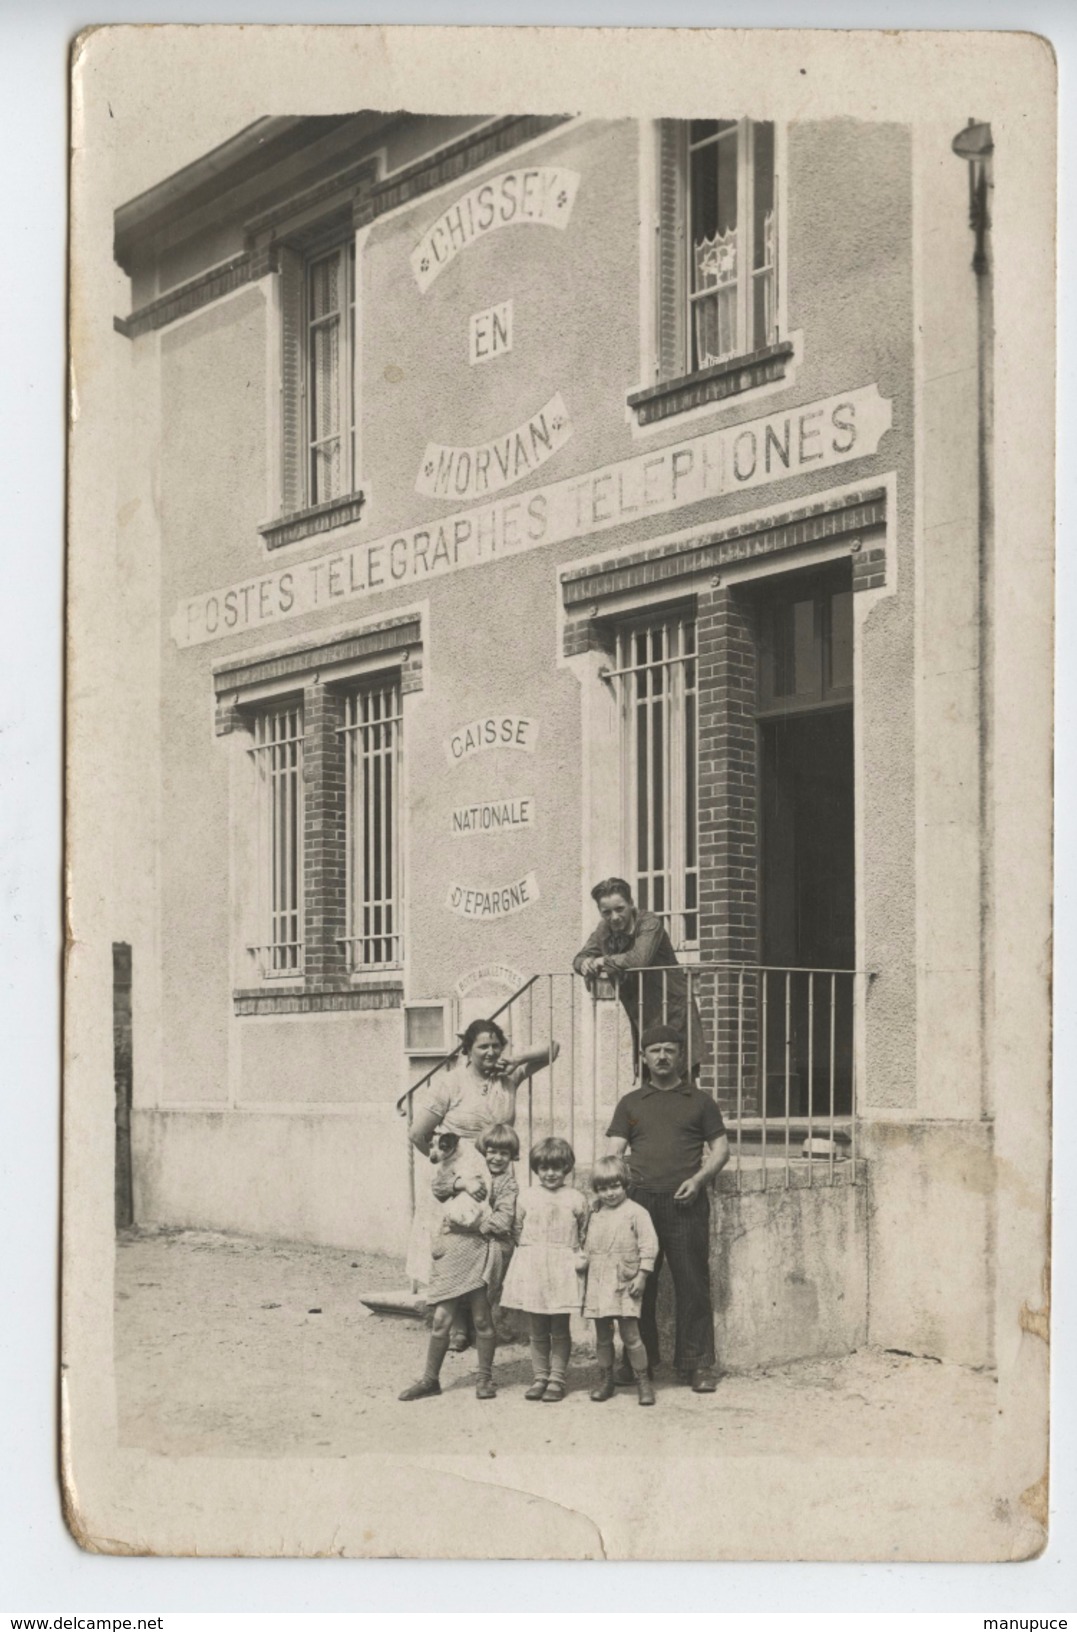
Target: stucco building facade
[(528, 500)]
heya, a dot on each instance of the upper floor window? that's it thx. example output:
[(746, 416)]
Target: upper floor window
[(717, 306), (318, 418), (330, 373), (732, 250)]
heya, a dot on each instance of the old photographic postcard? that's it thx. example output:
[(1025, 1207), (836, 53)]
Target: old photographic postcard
[(559, 771)]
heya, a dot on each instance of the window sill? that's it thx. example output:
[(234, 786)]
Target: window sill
[(319, 518), (382, 993), (710, 385)]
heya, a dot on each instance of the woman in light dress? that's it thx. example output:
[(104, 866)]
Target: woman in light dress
[(476, 1095)]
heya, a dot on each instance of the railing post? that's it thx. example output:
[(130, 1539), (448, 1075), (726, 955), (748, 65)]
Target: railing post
[(833, 989), (788, 1051), (763, 1086), (811, 1072), (740, 1067)]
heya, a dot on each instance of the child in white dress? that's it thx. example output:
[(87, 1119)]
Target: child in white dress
[(544, 1276), (622, 1249)]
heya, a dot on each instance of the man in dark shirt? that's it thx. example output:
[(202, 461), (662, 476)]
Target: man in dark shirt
[(664, 1128)]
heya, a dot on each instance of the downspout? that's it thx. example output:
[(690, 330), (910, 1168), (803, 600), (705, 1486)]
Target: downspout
[(975, 146)]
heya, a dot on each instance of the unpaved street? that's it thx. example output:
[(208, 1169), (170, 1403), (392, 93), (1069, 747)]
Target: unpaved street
[(229, 1346)]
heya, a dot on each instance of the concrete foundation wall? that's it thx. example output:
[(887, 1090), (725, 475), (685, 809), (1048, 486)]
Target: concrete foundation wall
[(249, 1172), (930, 1231), (789, 1274)]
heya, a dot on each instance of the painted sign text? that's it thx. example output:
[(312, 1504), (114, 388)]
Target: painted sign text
[(500, 902), (495, 731), (538, 195), (471, 473), (500, 816), (816, 436)]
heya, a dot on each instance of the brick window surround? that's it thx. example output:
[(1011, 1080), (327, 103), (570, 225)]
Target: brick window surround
[(594, 598), (323, 674)]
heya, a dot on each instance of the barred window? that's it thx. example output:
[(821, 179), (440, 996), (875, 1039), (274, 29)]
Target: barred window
[(373, 799), (277, 752), (656, 679)]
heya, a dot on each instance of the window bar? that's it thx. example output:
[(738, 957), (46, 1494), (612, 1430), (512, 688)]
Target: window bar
[(788, 1048), (740, 1065), (648, 722), (811, 1072), (763, 1081), (383, 881), (689, 1017), (665, 996), (530, 1126), (349, 830), (833, 988)]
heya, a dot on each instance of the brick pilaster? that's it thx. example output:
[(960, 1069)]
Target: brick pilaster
[(324, 862), (729, 831)]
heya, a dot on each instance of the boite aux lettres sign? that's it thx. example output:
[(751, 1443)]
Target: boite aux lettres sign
[(792, 442)]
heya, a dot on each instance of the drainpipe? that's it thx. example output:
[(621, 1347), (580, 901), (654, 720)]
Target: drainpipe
[(974, 145)]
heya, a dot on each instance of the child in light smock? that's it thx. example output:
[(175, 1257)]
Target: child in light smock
[(621, 1249), (544, 1277)]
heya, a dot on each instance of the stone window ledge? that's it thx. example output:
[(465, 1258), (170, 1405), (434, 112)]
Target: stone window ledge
[(384, 992), (319, 518), (710, 385)]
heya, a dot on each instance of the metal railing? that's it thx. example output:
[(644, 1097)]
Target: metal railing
[(776, 1046)]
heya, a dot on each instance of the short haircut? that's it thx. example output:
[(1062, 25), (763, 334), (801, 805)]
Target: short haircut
[(500, 1137), (612, 886), (553, 1152), (610, 1167), (476, 1029)]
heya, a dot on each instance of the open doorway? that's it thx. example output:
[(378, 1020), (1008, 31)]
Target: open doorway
[(807, 804)]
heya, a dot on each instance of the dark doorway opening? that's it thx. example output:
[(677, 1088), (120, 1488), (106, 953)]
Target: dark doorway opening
[(807, 802)]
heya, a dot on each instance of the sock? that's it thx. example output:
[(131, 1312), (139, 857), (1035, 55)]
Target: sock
[(560, 1350), (604, 1353), (485, 1345), (540, 1355), (436, 1351), (637, 1356)]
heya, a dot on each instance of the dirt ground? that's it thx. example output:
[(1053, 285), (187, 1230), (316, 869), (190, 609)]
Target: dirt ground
[(229, 1346)]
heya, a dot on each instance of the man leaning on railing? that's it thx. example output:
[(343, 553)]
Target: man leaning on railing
[(633, 950)]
